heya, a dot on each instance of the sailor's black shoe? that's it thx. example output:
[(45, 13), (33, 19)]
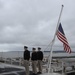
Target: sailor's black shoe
[(34, 74), (38, 72)]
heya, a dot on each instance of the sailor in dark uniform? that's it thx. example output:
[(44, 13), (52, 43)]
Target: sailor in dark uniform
[(39, 60), (34, 61), (26, 59)]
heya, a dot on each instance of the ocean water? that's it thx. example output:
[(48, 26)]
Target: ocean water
[(13, 54)]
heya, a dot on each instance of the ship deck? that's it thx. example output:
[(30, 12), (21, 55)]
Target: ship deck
[(57, 67), (6, 69)]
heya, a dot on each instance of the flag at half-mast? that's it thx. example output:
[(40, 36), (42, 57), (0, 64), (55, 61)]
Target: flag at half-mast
[(61, 36)]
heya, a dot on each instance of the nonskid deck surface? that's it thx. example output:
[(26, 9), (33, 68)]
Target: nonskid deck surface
[(12, 71), (17, 71), (6, 69)]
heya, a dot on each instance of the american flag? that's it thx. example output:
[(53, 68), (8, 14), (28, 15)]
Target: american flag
[(61, 36)]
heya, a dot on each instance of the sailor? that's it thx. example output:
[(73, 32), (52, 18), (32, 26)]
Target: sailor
[(26, 59), (39, 60), (34, 61)]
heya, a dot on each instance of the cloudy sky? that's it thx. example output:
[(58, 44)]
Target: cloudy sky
[(33, 23)]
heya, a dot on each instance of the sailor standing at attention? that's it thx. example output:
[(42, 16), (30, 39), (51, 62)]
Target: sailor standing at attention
[(26, 59), (34, 61), (39, 60)]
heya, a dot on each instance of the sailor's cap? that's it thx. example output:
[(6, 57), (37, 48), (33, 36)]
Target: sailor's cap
[(34, 48), (25, 47), (39, 48)]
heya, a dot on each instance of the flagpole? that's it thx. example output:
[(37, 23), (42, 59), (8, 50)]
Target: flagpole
[(50, 56)]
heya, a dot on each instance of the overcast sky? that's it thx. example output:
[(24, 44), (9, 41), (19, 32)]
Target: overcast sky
[(33, 23)]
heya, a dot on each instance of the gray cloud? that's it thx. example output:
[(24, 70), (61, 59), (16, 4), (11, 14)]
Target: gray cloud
[(33, 22)]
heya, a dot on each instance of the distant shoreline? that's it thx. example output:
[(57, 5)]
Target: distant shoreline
[(57, 51)]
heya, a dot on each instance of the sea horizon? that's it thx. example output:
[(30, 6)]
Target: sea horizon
[(58, 53)]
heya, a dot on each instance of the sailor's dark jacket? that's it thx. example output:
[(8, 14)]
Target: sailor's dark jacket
[(26, 55), (39, 55), (34, 56)]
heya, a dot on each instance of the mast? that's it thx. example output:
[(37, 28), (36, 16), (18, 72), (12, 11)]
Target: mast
[(50, 55)]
